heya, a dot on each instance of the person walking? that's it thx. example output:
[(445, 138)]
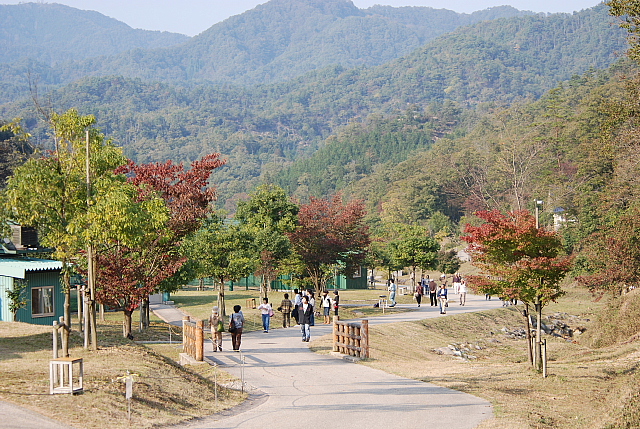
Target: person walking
[(433, 290), (266, 311), (442, 297), (326, 307), (418, 294), (237, 319), (305, 314), (456, 283), (216, 322), (463, 292), (312, 302), (297, 302), (393, 288), (336, 302), (285, 308)]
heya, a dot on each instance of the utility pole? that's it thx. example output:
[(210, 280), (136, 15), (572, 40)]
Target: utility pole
[(538, 204)]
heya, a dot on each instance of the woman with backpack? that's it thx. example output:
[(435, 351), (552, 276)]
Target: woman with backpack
[(235, 327)]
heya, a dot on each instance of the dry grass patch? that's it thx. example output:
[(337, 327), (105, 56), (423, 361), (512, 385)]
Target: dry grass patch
[(164, 393)]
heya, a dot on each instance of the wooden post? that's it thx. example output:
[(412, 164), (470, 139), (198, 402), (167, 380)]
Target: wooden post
[(544, 358), (336, 338), (185, 340), (364, 333), (55, 339), (199, 341)]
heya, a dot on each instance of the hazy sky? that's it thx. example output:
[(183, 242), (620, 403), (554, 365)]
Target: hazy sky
[(192, 17)]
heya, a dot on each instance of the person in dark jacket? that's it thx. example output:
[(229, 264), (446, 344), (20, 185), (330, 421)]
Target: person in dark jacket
[(305, 313)]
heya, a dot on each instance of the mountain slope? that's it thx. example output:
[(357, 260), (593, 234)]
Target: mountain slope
[(263, 129), (279, 40), (52, 34)]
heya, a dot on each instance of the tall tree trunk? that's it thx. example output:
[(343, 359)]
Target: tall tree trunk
[(66, 284), (525, 313), (126, 324), (80, 300), (221, 304)]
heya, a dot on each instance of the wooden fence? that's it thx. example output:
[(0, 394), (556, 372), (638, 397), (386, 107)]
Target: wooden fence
[(351, 338), (193, 338)]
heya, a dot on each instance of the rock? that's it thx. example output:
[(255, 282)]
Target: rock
[(444, 351)]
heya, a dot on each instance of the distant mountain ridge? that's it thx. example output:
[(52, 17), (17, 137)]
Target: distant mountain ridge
[(52, 34), (273, 42)]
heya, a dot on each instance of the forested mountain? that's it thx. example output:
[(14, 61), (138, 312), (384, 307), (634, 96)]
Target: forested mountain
[(273, 42), (554, 149), (262, 130), (54, 34)]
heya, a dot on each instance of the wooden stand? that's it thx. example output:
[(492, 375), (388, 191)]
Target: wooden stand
[(61, 370), (251, 303)]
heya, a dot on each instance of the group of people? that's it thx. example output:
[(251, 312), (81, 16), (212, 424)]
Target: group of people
[(438, 295), (301, 309)]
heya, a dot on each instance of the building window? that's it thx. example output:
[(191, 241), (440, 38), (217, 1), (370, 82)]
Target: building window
[(42, 301), (357, 274)]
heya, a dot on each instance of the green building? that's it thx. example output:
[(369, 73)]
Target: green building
[(42, 289)]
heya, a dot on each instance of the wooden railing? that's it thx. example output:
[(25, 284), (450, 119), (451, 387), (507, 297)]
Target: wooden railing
[(193, 338), (351, 338)]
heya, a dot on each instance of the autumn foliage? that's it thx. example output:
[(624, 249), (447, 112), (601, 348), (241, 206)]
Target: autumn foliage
[(517, 259), (127, 275), (330, 234), (613, 256)]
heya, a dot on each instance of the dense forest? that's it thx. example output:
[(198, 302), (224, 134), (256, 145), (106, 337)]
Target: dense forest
[(269, 132)]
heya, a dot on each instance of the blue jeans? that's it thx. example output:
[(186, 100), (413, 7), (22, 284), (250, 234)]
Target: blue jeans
[(266, 321), (306, 331), (392, 298)]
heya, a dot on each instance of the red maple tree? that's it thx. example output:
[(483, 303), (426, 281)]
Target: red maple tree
[(126, 276), (330, 234), (517, 261)]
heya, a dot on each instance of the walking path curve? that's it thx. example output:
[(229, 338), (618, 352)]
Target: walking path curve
[(291, 386)]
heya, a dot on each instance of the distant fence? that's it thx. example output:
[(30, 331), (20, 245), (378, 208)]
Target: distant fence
[(351, 338), (193, 338)]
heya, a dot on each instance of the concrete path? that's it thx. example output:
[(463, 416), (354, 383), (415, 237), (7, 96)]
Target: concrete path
[(292, 386), (15, 417), (295, 388)]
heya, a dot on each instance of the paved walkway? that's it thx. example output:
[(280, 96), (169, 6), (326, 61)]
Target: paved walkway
[(15, 417), (292, 385)]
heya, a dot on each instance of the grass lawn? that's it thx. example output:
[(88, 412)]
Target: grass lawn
[(586, 387)]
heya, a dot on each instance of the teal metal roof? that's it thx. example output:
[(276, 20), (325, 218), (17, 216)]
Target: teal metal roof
[(18, 267)]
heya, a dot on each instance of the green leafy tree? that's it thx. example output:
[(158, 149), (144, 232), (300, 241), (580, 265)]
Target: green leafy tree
[(49, 192), (269, 215), (518, 261), (222, 250), (448, 261), (414, 248), (17, 300)]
